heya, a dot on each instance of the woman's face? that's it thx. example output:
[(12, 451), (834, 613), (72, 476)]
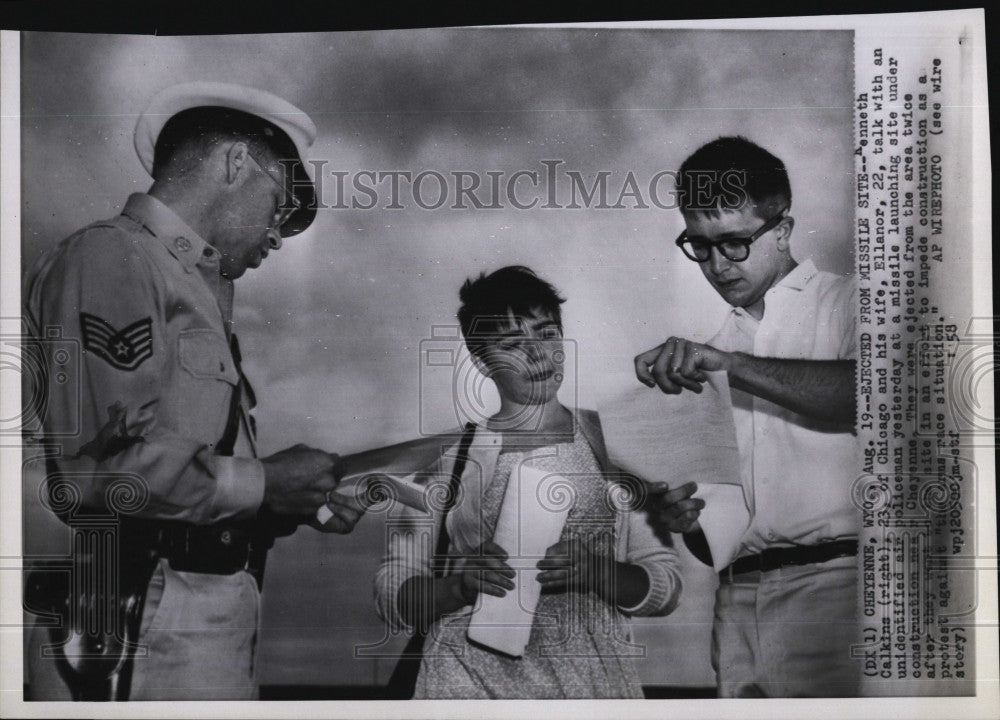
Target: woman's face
[(525, 358)]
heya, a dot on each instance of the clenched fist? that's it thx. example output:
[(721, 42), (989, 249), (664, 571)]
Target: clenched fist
[(680, 364)]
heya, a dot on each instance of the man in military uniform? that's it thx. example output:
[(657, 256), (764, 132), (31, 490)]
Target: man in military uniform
[(163, 403)]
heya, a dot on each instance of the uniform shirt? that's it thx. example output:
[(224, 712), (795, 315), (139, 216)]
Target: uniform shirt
[(140, 300), (796, 472)]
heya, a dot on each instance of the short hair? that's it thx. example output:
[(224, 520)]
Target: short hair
[(487, 299), (731, 172), (189, 136)]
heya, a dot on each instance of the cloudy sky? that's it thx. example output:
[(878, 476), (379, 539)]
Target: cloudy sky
[(331, 326)]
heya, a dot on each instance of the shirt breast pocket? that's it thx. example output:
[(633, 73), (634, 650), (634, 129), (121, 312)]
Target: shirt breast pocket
[(208, 377)]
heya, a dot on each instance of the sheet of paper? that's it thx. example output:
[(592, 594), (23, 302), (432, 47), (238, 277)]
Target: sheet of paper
[(526, 528), (407, 489), (401, 467), (681, 438), (401, 459)]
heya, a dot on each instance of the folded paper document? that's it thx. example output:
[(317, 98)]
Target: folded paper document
[(681, 438), (527, 526), (397, 469), (371, 488)]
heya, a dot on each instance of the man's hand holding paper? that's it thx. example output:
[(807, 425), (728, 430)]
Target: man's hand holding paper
[(674, 509), (340, 513), (398, 471), (681, 445)]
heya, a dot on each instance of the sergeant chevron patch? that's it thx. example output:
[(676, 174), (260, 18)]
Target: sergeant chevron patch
[(124, 349)]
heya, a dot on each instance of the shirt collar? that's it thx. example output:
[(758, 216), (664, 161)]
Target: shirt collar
[(180, 240), (797, 279)]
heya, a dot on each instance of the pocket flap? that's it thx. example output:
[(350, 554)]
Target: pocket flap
[(205, 354)]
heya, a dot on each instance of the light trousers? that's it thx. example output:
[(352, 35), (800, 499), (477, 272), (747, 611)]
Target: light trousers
[(788, 634), (197, 641)]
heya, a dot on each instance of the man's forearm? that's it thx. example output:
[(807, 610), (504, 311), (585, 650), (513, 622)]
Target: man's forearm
[(175, 477), (821, 389)]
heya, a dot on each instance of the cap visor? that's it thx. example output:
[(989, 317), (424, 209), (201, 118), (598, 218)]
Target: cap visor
[(301, 186)]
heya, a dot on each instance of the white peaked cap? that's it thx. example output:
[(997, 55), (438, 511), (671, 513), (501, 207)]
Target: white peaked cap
[(295, 123)]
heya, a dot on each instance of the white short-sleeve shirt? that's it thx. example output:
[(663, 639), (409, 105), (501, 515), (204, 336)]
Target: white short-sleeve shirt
[(797, 472)]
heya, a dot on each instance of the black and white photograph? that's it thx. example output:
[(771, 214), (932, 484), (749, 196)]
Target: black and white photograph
[(636, 361)]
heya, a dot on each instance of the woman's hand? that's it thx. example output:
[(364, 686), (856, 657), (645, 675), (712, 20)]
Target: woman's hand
[(483, 571), (574, 565), (423, 599)]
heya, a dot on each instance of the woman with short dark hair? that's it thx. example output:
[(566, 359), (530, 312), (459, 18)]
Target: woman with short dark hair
[(580, 643)]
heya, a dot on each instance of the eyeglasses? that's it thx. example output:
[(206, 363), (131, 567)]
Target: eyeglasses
[(290, 204), (734, 249)]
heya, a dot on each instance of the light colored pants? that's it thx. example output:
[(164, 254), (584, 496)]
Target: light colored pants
[(790, 634), (200, 634)]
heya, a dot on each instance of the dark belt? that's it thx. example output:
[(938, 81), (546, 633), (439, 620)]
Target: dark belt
[(220, 549), (779, 557)]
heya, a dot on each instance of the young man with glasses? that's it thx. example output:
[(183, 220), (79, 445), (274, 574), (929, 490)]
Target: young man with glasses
[(164, 409), (785, 613)]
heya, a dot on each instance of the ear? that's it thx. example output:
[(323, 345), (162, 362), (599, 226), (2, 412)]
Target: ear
[(785, 233), (480, 365), (237, 161)]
